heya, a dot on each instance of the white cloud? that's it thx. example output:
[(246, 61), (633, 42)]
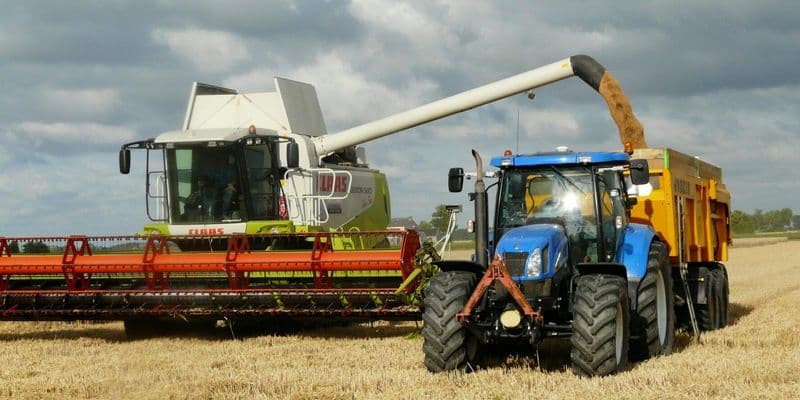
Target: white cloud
[(541, 123), (346, 96), (402, 18), (83, 102), (76, 135), (208, 50)]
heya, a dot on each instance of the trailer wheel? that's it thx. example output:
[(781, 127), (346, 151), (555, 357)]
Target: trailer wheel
[(721, 290), (447, 345), (600, 325), (725, 298), (653, 322), (710, 315)]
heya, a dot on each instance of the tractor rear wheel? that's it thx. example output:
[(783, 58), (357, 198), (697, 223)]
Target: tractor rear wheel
[(447, 345), (653, 322), (600, 325)]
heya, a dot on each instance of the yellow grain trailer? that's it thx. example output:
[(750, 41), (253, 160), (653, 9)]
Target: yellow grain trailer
[(688, 205)]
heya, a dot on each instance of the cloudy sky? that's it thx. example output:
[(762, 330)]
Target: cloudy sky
[(715, 79)]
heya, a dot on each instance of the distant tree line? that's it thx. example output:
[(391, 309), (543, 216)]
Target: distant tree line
[(36, 247), (764, 221)]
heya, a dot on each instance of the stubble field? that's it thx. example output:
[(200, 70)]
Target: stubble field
[(758, 356)]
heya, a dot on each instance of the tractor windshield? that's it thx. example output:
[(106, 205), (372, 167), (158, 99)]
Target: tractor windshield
[(557, 195), (223, 183)]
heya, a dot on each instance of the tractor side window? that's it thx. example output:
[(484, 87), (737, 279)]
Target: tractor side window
[(612, 210)]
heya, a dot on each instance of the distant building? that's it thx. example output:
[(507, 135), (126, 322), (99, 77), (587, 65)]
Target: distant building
[(403, 223)]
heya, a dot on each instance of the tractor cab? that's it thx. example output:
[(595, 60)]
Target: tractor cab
[(547, 197)]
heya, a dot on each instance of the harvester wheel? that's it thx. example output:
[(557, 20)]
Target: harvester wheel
[(653, 322), (600, 325), (447, 345), (142, 328)]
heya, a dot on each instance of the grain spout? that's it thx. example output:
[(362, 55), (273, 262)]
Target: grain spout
[(630, 129)]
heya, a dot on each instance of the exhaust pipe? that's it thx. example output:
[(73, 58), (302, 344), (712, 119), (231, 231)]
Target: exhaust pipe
[(481, 215)]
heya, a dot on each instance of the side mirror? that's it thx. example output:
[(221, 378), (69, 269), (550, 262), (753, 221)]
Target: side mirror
[(455, 180), (292, 155), (124, 161), (640, 172)]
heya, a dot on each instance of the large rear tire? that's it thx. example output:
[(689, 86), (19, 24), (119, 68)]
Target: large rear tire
[(447, 345), (600, 325), (653, 322)]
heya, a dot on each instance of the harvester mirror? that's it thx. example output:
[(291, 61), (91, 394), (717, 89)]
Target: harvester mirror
[(640, 172), (124, 161), (292, 155), (455, 180)]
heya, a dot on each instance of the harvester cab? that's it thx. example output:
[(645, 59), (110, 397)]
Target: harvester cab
[(247, 163)]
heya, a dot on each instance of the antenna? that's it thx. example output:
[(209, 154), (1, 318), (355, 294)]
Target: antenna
[(516, 151)]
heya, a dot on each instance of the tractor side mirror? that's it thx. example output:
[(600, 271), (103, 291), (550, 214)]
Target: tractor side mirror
[(455, 180), (292, 155), (640, 172), (124, 161)]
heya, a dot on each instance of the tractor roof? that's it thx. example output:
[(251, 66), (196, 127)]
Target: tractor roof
[(208, 135), (559, 158)]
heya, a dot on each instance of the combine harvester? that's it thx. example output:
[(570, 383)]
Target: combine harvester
[(256, 213)]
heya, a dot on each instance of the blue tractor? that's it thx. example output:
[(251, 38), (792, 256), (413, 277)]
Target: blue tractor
[(562, 260)]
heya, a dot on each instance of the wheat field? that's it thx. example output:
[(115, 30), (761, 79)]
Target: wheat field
[(757, 357)]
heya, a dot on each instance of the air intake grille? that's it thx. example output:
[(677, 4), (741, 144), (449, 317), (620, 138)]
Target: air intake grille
[(515, 262)]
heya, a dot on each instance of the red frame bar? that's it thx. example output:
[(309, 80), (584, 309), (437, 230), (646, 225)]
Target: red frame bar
[(78, 262), (75, 280), (498, 271)]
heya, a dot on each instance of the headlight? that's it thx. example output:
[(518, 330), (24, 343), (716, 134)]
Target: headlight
[(534, 266)]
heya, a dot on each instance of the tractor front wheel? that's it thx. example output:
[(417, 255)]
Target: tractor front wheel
[(447, 345), (600, 330)]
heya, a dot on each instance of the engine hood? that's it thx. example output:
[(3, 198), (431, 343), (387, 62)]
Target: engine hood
[(529, 237), (518, 245)]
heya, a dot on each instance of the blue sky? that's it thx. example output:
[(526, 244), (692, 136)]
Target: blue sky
[(714, 79)]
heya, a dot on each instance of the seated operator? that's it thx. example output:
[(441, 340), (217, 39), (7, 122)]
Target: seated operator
[(200, 203), (572, 208), (224, 174)]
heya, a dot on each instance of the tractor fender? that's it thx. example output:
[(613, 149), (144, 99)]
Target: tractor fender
[(635, 249), (605, 269)]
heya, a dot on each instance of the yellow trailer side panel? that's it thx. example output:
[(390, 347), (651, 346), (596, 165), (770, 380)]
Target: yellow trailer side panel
[(689, 206)]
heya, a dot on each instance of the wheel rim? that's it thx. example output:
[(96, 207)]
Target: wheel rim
[(661, 308), (618, 333)]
